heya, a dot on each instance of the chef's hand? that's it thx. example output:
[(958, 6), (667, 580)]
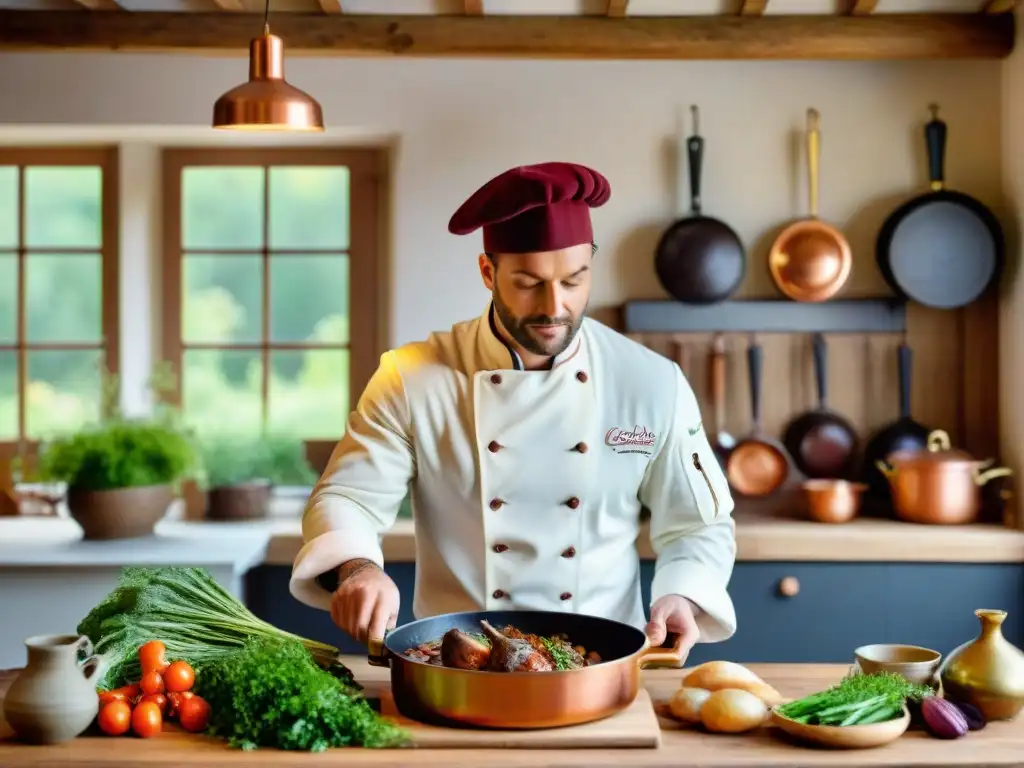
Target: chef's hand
[(365, 604), (673, 613)]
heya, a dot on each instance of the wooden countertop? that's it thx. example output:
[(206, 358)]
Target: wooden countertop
[(998, 744)]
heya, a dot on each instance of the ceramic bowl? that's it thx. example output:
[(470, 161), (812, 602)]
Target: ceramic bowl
[(916, 664), (843, 736)]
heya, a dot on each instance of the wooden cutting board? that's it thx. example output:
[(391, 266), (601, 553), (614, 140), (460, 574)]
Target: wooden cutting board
[(636, 727)]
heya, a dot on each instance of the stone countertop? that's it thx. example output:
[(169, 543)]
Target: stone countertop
[(42, 541)]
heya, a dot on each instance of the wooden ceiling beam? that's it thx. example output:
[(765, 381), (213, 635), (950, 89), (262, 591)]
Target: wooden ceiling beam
[(826, 37), (753, 7), (1000, 6), (616, 8), (101, 5), (330, 6), (862, 7)]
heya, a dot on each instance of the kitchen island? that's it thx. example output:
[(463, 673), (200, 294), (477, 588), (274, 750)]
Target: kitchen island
[(998, 744)]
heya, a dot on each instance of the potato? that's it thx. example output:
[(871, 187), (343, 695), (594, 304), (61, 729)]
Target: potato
[(732, 710), (685, 704)]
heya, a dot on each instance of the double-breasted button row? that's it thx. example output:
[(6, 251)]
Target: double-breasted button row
[(566, 553), (499, 594)]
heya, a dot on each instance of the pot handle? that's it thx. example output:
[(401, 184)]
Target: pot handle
[(377, 653), (671, 658), (980, 478), (93, 663), (938, 440)]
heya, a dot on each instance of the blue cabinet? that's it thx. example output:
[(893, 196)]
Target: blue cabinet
[(837, 607)]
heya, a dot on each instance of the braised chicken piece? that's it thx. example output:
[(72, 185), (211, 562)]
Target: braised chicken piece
[(458, 649), (513, 654), (462, 651)]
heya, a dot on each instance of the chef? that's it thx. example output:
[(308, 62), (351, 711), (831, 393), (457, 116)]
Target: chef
[(529, 438)]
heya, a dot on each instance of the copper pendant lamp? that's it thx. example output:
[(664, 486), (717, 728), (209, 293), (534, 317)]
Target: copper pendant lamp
[(267, 102)]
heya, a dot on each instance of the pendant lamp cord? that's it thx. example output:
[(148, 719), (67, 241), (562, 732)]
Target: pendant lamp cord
[(266, 18)]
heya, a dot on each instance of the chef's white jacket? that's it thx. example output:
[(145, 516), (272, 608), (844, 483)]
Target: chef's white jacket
[(527, 486)]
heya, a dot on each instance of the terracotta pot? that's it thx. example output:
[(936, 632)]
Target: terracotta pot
[(988, 671), (243, 501), (939, 485), (119, 513), (53, 698)]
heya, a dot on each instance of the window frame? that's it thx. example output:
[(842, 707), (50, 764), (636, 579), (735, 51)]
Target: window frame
[(367, 179), (107, 158)]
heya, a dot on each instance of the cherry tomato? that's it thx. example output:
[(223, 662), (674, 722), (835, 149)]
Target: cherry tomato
[(152, 657), (128, 693), (146, 719), (194, 715), (115, 717), (157, 698), (152, 682), (178, 677)]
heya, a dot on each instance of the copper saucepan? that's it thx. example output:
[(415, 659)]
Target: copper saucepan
[(520, 700), (938, 485), (757, 466), (811, 260)]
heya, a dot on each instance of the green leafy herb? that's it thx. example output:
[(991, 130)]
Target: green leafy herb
[(196, 618), (270, 693), (857, 700), (233, 459), (560, 653)]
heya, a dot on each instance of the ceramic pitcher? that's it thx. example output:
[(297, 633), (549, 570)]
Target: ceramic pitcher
[(54, 697)]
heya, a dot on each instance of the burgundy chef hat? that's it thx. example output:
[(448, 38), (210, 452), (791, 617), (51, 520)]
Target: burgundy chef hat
[(542, 207)]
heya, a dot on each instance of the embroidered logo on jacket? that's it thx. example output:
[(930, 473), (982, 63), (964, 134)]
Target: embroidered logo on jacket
[(635, 440), (694, 430)]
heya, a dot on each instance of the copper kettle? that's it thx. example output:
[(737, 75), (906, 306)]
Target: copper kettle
[(940, 485)]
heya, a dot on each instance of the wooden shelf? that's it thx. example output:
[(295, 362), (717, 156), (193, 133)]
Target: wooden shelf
[(816, 37), (766, 316)]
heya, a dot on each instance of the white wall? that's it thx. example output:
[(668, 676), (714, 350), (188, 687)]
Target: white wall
[(455, 123)]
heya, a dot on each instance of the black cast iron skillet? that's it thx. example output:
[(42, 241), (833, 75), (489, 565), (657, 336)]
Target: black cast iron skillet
[(699, 259), (942, 249)]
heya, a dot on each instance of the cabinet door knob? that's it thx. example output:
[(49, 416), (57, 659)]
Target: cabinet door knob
[(789, 586)]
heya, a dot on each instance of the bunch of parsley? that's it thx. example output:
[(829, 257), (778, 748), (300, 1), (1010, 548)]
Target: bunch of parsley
[(271, 693)]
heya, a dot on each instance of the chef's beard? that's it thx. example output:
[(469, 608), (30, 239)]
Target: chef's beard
[(519, 328)]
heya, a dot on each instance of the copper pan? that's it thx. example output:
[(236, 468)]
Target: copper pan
[(810, 260), (757, 466), (434, 694)]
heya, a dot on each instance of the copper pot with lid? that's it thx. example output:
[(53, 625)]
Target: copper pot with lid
[(940, 485)]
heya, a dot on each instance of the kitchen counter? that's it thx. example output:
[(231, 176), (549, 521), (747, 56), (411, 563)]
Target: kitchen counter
[(998, 744), (49, 541)]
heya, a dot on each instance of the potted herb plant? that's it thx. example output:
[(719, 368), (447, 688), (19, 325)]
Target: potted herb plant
[(121, 473), (241, 472)]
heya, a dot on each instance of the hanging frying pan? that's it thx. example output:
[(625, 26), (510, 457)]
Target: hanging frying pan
[(904, 434), (721, 441), (942, 249), (810, 259), (699, 259), (757, 466), (822, 443)]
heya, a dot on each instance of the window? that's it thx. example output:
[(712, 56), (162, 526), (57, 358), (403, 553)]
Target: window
[(58, 289), (271, 275)]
